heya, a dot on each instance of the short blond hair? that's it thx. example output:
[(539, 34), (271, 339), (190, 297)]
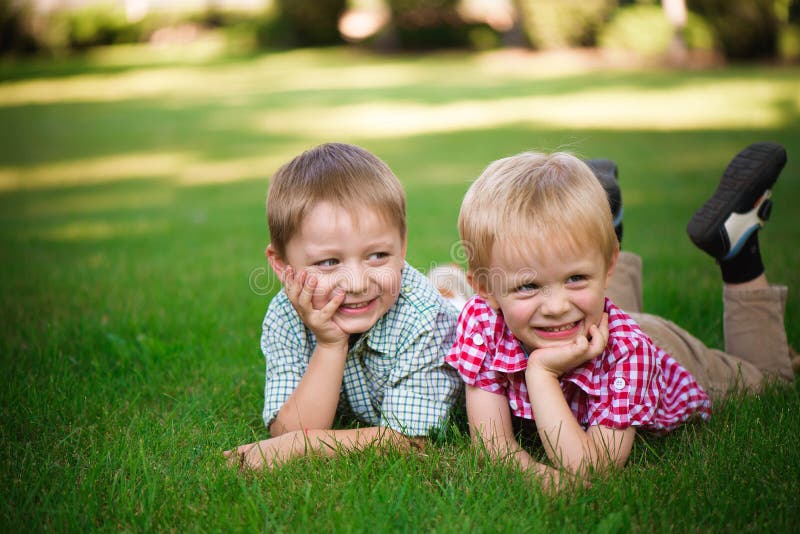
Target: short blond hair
[(528, 199), (347, 176)]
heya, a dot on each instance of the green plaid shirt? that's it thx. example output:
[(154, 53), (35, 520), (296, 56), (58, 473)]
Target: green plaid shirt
[(394, 375)]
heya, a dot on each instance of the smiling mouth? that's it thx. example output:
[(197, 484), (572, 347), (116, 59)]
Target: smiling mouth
[(556, 329), (356, 305)]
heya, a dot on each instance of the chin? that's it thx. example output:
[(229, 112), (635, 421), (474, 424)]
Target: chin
[(358, 326), (555, 343)]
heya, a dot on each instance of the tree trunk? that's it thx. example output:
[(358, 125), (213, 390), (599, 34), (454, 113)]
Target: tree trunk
[(675, 11)]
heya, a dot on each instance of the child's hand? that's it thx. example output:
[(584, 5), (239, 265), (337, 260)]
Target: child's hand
[(300, 288), (250, 456), (261, 454), (562, 359)]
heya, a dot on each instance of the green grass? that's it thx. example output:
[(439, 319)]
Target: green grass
[(133, 283)]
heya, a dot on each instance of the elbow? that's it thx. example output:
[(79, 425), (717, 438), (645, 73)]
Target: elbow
[(278, 428)]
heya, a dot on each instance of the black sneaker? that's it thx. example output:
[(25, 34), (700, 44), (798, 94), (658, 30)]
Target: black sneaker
[(606, 172), (741, 204)]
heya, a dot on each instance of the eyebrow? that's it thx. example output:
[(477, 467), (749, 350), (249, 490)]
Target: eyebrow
[(325, 250), (513, 281)]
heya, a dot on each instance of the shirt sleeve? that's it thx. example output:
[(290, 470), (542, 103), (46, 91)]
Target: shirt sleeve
[(629, 389), (420, 396), (286, 352), (473, 343)]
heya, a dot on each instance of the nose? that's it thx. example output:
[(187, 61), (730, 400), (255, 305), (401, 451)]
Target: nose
[(556, 301), (355, 280)]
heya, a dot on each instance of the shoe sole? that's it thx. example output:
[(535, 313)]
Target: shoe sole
[(746, 181), (608, 175)]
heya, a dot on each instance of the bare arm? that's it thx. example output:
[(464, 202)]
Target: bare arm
[(567, 445), (490, 425), (313, 403), (275, 451)]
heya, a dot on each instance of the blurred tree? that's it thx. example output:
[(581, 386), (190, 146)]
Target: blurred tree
[(312, 22), (553, 24), (425, 24), (746, 29), (675, 10), (643, 29), (15, 33)]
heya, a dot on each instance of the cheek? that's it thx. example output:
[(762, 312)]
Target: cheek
[(325, 284), (591, 302), (515, 312), (388, 279)]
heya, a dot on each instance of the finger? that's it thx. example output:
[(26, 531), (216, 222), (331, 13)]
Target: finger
[(254, 459), (297, 287), (581, 345), (572, 352), (603, 326), (309, 286), (290, 284), (598, 342), (595, 344), (233, 457), (601, 331), (287, 275), (337, 297)]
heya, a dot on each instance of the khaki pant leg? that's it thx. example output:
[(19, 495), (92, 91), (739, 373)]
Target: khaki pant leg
[(625, 287), (754, 328), (717, 372)]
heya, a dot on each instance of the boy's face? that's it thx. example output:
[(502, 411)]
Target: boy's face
[(361, 253), (547, 299)]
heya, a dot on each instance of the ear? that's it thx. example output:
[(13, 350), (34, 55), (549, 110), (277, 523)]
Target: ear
[(611, 265), (275, 261), (479, 286)]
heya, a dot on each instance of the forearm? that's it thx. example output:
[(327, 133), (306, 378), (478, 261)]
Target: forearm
[(332, 442), (491, 429), (504, 449), (565, 442), (275, 451), (313, 403)]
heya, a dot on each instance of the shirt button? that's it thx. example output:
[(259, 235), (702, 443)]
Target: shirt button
[(619, 383), (477, 339)]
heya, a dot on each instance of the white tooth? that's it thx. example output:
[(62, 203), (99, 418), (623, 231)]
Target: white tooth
[(560, 328)]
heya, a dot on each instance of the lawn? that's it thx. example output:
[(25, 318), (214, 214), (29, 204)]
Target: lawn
[(133, 282)]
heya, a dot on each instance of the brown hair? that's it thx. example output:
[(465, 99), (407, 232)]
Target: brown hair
[(347, 176)]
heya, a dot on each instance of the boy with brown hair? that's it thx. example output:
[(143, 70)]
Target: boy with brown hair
[(355, 327)]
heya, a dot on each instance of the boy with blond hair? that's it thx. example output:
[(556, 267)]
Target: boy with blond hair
[(542, 341), (355, 327)]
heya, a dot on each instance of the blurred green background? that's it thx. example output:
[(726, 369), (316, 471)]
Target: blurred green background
[(734, 29)]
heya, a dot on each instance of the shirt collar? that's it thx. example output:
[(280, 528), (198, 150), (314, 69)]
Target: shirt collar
[(509, 355)]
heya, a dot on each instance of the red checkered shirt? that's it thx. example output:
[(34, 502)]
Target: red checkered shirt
[(633, 383)]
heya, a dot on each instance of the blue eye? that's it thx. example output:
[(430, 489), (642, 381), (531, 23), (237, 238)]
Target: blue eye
[(330, 262), (526, 288), (378, 256), (575, 278)]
